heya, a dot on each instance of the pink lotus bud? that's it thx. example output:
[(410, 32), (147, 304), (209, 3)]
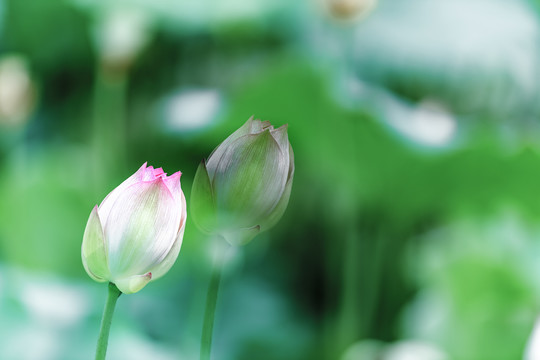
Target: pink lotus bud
[(135, 234)]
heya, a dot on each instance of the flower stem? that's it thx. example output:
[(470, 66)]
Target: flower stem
[(106, 320), (109, 126), (210, 309)]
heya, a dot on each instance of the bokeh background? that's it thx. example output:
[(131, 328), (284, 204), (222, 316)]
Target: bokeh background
[(413, 229)]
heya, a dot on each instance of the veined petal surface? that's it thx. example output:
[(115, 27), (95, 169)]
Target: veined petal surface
[(141, 228), (215, 156), (165, 265), (108, 202), (250, 179), (282, 139), (173, 184), (275, 215)]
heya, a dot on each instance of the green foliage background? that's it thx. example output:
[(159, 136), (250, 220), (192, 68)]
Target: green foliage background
[(387, 240)]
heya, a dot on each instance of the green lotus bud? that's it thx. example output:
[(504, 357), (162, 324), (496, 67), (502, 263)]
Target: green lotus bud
[(244, 186)]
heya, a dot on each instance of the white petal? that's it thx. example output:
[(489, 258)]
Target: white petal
[(164, 266), (93, 251), (276, 214), (173, 184), (250, 179), (282, 139), (291, 163), (108, 202), (216, 155), (141, 228), (258, 126), (133, 284)]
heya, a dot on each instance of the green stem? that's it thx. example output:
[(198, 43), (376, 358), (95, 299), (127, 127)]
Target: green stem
[(109, 125), (210, 309), (106, 320)]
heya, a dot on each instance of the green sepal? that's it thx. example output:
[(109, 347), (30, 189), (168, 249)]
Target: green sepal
[(93, 250), (202, 203), (133, 284), (241, 236)]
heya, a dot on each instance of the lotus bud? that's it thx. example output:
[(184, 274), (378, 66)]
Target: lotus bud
[(121, 35), (350, 9), (244, 186), (17, 91), (134, 235)]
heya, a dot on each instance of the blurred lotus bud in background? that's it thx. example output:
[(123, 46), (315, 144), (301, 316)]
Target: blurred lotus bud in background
[(401, 350), (350, 9), (489, 73), (427, 123), (120, 35), (244, 186), (17, 91), (135, 234), (413, 350)]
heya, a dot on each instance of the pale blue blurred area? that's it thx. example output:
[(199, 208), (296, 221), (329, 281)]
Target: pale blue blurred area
[(48, 317), (476, 59), (475, 55), (58, 316), (476, 275)]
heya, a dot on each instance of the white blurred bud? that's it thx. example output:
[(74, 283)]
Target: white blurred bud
[(413, 350), (121, 34), (350, 9), (17, 91), (429, 123), (192, 110), (432, 124)]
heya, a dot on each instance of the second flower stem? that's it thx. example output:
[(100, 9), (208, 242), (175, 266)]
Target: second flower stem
[(106, 321), (210, 308)]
